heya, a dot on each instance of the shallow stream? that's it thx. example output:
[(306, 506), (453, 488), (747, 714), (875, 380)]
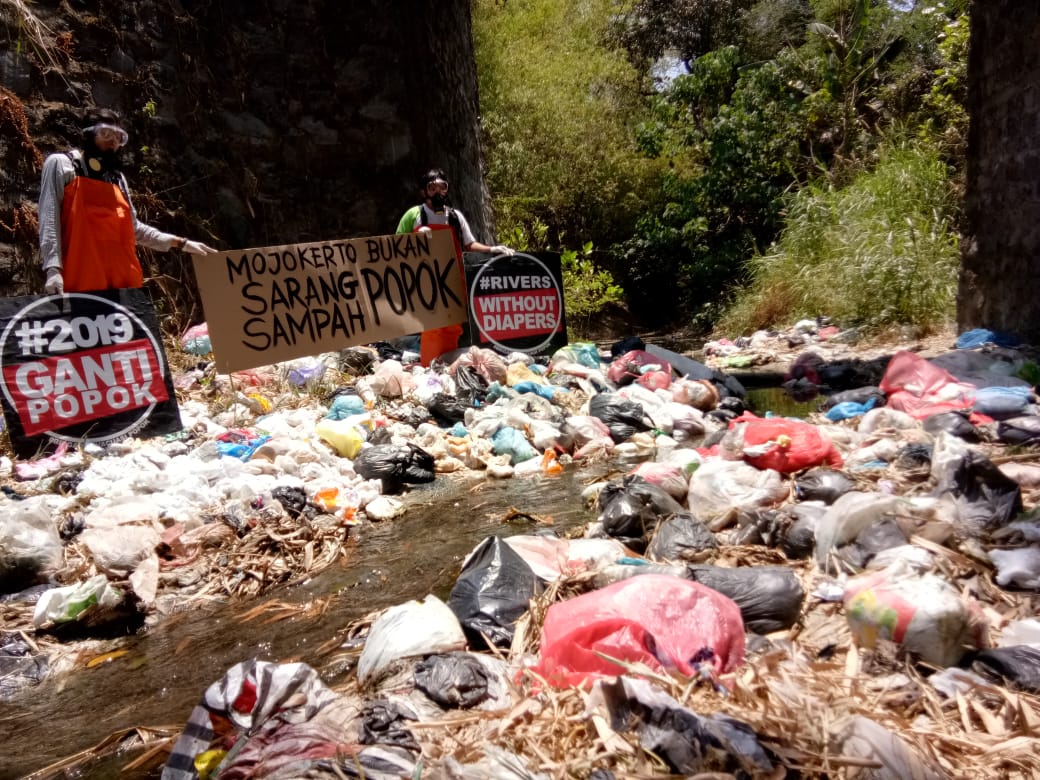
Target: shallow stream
[(169, 666)]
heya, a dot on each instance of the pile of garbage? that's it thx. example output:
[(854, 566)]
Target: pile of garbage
[(851, 593)]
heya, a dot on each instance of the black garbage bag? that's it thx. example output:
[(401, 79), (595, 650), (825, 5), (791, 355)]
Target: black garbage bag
[(383, 723), (882, 535), (294, 501), (681, 537), (395, 465), (631, 509), (449, 409), (799, 538), (954, 423), (914, 456), (627, 344), (986, 498), (453, 680), (410, 414), (492, 592), (826, 485), (770, 597), (623, 417), (689, 743), (1017, 666), (1023, 430), (760, 526), (859, 395), (470, 383)]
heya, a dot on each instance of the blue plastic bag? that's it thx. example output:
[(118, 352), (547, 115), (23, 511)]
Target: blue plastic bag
[(847, 409), (979, 336), (510, 441), (345, 406)]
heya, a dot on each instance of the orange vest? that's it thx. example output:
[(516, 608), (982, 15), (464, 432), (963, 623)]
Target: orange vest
[(436, 342), (98, 248)]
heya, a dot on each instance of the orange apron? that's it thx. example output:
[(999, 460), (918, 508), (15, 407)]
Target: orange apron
[(98, 248), (434, 343)]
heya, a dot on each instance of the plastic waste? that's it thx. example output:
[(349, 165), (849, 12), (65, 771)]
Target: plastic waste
[(414, 628), (681, 537), (623, 417), (1003, 402), (1020, 430), (986, 498), (631, 509), (346, 405), (1018, 567), (493, 590), (666, 623), (849, 516), (861, 396), (770, 597), (687, 742), (306, 373), (342, 435), (1021, 632), (920, 612), (256, 697), (672, 479), (888, 757), (1017, 666), (395, 465), (783, 444), (30, 548), (977, 337), (846, 410), (954, 423), (719, 488), (62, 605), (454, 680), (196, 341), (824, 485), (512, 442)]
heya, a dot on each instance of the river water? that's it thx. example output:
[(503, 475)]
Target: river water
[(168, 666)]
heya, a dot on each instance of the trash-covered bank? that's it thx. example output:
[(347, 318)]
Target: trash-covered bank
[(855, 591)]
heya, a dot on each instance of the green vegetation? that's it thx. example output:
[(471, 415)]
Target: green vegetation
[(813, 149), (880, 250)]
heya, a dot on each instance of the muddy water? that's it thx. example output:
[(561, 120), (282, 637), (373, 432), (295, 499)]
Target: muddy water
[(169, 666)]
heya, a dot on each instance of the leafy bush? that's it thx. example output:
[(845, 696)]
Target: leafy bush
[(880, 251)]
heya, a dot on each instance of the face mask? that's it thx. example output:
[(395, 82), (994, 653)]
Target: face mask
[(99, 162), (438, 201)]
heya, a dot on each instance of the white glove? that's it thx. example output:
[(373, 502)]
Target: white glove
[(426, 229), (55, 283), (198, 248), (502, 249)]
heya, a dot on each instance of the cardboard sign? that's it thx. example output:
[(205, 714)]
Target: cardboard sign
[(83, 367), (516, 302), (272, 304)]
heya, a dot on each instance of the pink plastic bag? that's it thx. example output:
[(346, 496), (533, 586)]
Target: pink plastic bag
[(663, 622), (630, 367), (915, 386)]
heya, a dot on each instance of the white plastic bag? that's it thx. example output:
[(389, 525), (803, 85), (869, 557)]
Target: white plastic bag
[(411, 629)]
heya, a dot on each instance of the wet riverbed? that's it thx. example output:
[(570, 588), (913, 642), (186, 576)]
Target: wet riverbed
[(169, 665)]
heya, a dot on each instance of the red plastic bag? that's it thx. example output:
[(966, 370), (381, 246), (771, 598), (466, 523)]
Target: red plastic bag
[(921, 389), (661, 621), (796, 445)]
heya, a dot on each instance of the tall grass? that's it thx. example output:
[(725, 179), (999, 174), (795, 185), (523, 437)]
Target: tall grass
[(881, 251)]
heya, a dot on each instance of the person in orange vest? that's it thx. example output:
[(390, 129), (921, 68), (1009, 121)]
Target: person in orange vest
[(89, 229), (435, 213)]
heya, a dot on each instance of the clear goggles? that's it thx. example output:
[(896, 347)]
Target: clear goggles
[(437, 185), (109, 133)]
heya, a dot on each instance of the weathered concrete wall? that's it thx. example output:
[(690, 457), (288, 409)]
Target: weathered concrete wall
[(1000, 278), (253, 122)]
